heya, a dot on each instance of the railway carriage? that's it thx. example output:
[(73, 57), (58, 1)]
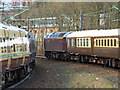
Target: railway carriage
[(17, 57), (98, 46), (93, 46)]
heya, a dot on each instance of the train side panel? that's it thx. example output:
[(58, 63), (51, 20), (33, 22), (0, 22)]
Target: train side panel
[(107, 47), (78, 45), (55, 45)]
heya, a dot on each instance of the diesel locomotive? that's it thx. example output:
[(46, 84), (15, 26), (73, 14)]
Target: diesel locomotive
[(17, 53), (90, 46)]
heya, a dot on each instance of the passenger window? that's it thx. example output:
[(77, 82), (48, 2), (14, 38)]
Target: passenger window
[(99, 42), (87, 42), (119, 42), (108, 42), (72, 42), (114, 42), (111, 42), (105, 42), (102, 42), (78, 42), (96, 42), (83, 42), (68, 43)]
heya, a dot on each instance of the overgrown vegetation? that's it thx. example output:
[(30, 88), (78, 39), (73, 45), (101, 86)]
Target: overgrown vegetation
[(95, 15)]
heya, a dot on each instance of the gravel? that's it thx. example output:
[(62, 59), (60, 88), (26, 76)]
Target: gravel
[(64, 74)]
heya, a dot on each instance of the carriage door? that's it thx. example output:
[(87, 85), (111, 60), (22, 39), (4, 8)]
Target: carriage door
[(23, 46), (8, 49), (92, 45)]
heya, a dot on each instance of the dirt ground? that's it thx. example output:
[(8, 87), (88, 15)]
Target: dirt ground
[(62, 74)]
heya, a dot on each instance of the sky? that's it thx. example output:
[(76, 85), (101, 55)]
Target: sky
[(64, 0), (16, 0)]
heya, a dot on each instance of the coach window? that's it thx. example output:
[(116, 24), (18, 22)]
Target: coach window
[(83, 42), (111, 42), (68, 42), (114, 42), (99, 42), (72, 41), (102, 42), (78, 42), (105, 42), (96, 42), (108, 42), (119, 42), (87, 42)]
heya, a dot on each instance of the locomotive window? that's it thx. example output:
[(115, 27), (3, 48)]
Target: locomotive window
[(13, 48), (21, 47), (96, 42), (81, 42), (4, 39), (8, 48), (105, 42), (10, 38), (78, 42), (87, 42), (111, 42), (25, 47), (108, 42), (0, 39), (114, 42), (102, 42), (99, 42), (7, 38)]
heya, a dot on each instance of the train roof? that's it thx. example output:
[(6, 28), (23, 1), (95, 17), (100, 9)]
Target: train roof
[(58, 34), (10, 27), (95, 33)]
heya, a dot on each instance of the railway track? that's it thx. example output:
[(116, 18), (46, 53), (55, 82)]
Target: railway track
[(18, 83)]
